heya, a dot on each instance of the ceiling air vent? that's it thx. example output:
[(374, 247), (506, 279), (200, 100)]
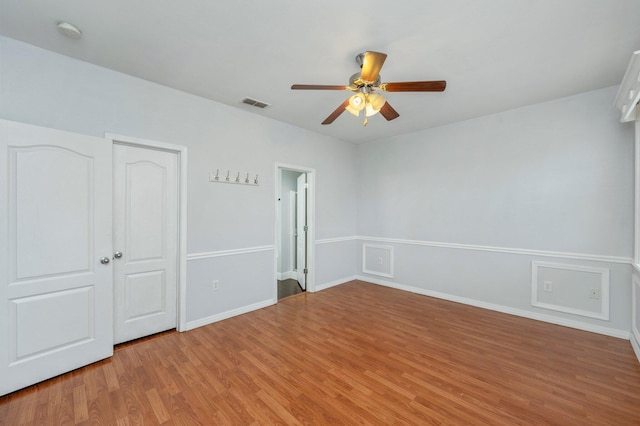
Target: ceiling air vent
[(255, 103)]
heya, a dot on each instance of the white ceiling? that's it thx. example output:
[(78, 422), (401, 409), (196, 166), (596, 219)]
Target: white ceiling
[(494, 54)]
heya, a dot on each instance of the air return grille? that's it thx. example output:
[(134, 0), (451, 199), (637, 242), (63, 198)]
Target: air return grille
[(255, 103)]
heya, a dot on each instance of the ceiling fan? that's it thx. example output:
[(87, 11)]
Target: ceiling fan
[(366, 86)]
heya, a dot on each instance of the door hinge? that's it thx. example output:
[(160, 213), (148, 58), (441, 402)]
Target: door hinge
[(305, 271), (305, 228), (306, 186)]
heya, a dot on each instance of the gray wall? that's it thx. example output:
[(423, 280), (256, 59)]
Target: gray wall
[(43, 88), (469, 206), (461, 210)]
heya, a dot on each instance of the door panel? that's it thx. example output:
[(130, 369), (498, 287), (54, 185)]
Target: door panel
[(146, 232), (145, 294), (69, 320), (56, 311), (66, 224), (146, 187), (301, 223)]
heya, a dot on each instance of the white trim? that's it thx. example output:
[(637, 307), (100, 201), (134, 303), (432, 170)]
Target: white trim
[(182, 153), (232, 313), (504, 309), (635, 344), (629, 91), (604, 289), (389, 274), (293, 206), (635, 333), (336, 240), (234, 252), (132, 140), (335, 283), (311, 222), (636, 216), (493, 249), (542, 253)]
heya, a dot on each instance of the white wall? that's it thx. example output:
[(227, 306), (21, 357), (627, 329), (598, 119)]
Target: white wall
[(47, 89), (468, 206)]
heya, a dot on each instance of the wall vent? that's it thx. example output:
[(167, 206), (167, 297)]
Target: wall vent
[(255, 103)]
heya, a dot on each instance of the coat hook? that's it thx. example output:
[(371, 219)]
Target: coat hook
[(240, 177)]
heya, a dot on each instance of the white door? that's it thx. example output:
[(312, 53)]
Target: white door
[(145, 228), (301, 231), (56, 310)]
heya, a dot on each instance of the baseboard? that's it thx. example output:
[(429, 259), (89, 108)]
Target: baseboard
[(289, 275), (635, 344), (504, 309), (232, 313), (334, 283)]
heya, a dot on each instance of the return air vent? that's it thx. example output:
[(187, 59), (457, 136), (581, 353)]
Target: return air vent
[(255, 103)]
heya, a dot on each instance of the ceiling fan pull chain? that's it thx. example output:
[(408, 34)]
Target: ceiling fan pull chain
[(366, 117)]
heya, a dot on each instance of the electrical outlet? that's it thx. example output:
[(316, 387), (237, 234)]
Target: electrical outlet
[(216, 285), (548, 286), (594, 293)]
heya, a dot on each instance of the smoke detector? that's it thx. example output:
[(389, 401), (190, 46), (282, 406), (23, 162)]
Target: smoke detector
[(69, 30)]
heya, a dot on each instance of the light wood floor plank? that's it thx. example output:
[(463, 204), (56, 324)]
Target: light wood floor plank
[(353, 354)]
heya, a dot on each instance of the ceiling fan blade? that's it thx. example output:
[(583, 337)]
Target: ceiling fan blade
[(414, 86), (388, 112), (319, 87), (336, 113), (371, 65)]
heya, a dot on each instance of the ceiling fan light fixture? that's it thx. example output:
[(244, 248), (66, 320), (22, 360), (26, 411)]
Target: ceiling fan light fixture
[(376, 100), (352, 111), (365, 86), (369, 111), (356, 104)]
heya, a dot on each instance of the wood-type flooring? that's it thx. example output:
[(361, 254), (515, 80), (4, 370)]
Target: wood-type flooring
[(357, 353)]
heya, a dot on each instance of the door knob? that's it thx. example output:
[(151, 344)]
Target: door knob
[(117, 255), (104, 260)]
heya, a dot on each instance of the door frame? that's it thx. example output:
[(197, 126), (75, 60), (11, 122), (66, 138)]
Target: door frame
[(302, 230), (311, 223), (292, 227), (181, 152)]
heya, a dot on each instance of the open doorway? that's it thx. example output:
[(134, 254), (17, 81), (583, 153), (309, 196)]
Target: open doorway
[(294, 230)]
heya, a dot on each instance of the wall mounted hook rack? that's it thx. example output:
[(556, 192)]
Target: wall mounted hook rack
[(227, 178)]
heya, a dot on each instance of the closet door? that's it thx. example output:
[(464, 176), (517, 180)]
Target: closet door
[(56, 295), (145, 231)]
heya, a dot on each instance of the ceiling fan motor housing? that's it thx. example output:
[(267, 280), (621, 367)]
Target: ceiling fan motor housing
[(356, 81)]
